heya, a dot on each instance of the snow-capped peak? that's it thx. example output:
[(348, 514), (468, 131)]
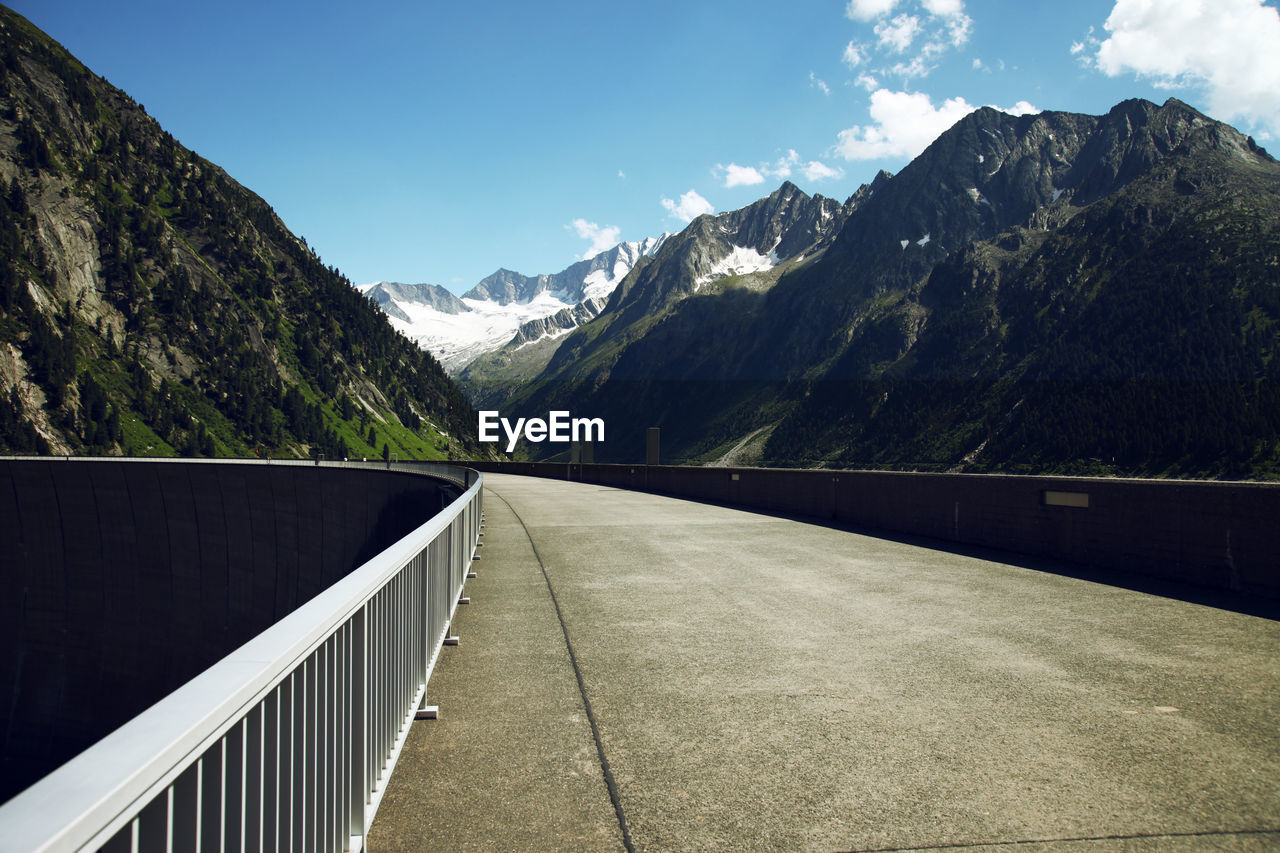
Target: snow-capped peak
[(491, 312)]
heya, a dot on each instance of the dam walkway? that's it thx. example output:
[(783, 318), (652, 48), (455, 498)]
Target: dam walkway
[(642, 672)]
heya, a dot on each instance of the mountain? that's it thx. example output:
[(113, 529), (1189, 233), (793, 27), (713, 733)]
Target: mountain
[(748, 248), (1133, 331), (387, 294), (149, 304), (776, 232), (494, 312), (564, 320), (489, 378), (594, 277), (1056, 292)]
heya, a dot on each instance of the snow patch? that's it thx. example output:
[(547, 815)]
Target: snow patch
[(456, 339), (599, 283), (923, 240), (978, 197), (772, 257), (558, 333), (1057, 194), (904, 244), (740, 261)]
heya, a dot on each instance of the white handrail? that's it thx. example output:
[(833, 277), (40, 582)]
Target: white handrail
[(291, 737)]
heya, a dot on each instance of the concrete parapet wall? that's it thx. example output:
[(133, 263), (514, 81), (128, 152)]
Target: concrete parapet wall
[(124, 579), (1223, 535)]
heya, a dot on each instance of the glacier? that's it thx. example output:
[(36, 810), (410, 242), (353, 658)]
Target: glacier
[(487, 324)]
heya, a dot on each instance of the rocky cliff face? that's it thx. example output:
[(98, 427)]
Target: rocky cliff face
[(149, 304), (558, 323)]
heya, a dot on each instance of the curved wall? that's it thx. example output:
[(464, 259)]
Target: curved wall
[(123, 579), (1217, 535)]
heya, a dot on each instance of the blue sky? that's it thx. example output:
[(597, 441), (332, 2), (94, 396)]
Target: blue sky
[(436, 142)]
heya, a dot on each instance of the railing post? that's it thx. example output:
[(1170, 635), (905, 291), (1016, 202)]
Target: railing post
[(233, 789), (184, 810), (272, 769), (359, 727), (255, 779)]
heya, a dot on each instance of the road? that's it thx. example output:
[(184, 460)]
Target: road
[(761, 683)]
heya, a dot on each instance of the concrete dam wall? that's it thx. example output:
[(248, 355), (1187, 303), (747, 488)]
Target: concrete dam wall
[(124, 579), (1217, 535)]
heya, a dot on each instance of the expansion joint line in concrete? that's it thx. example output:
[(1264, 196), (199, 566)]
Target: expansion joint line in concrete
[(609, 782), (961, 845)]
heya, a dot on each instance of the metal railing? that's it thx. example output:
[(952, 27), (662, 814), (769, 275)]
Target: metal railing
[(288, 742)]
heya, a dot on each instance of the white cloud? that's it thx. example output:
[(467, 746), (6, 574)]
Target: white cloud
[(944, 8), (1085, 49), (1231, 48), (959, 28), (977, 65), (817, 82), (781, 168), (622, 174), (690, 206), (937, 25), (897, 34), (867, 10), (904, 125), (602, 238), (739, 176), (918, 67), (816, 171), (867, 81)]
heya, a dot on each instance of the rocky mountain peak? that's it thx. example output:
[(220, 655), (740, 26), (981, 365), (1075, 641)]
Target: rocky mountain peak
[(593, 277), (503, 286), (787, 191), (388, 293), (993, 171)]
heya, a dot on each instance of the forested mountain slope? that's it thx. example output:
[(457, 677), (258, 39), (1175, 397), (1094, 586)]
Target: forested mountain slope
[(149, 304)]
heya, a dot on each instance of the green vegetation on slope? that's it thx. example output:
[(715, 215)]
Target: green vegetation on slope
[(149, 304)]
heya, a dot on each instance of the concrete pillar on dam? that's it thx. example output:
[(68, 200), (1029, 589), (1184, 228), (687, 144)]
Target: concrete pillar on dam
[(652, 442)]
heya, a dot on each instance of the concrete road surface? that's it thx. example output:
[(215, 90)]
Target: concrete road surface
[(759, 683)]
